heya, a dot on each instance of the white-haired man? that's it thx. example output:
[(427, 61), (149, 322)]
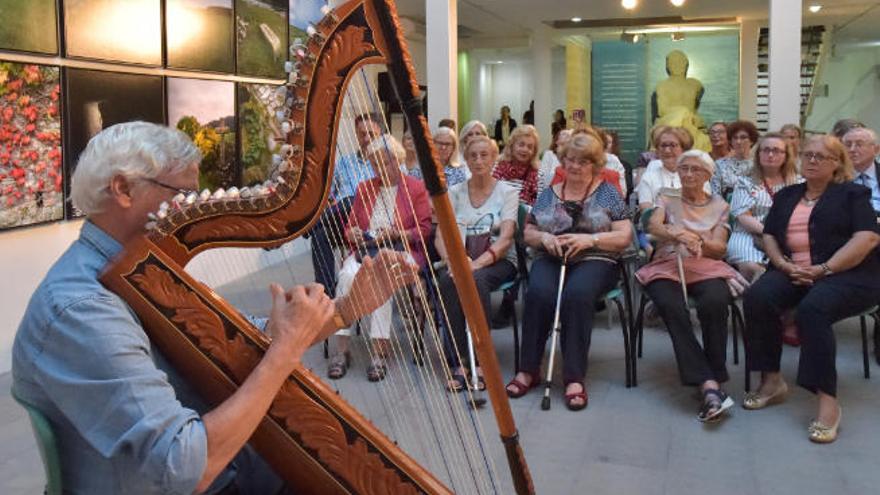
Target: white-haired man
[(861, 144), (82, 358)]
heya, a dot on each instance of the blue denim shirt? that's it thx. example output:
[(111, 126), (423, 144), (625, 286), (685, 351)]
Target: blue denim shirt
[(350, 170), (82, 358)]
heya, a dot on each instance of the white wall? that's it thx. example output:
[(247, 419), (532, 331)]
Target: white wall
[(25, 257), (853, 88)]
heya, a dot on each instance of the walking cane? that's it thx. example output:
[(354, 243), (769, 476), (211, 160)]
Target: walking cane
[(684, 289), (545, 403), (477, 398)]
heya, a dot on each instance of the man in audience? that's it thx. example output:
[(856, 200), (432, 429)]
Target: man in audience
[(861, 144), (82, 358), (327, 234)]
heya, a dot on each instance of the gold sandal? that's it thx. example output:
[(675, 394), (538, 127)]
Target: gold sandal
[(819, 433), (754, 401)]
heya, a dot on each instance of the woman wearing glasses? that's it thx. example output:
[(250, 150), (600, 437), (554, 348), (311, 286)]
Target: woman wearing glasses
[(446, 143), (691, 228), (820, 238), (752, 198), (742, 135)]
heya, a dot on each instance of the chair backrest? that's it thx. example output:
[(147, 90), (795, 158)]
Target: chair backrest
[(47, 445)]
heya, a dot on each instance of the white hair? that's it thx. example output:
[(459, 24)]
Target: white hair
[(135, 150), (445, 131), (387, 143), (704, 158), (465, 129), (864, 130)]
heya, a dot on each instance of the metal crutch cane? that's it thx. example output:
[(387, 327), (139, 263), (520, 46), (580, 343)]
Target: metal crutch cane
[(545, 402), (684, 289), (477, 397)]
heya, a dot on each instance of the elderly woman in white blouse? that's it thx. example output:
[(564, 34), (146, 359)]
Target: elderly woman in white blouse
[(661, 174), (486, 211)]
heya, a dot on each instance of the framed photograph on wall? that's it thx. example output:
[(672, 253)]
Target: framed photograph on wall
[(31, 175), (199, 35), (205, 111), (95, 100), (261, 37), (303, 13), (128, 31), (260, 134), (29, 26)]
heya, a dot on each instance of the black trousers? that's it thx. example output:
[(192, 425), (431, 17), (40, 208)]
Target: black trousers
[(817, 308), (585, 283), (696, 364), (487, 279), (326, 235)]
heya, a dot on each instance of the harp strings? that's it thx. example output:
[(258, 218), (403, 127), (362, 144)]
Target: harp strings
[(458, 425)]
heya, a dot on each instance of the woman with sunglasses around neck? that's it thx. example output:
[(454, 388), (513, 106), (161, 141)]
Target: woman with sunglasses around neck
[(820, 237), (582, 223)]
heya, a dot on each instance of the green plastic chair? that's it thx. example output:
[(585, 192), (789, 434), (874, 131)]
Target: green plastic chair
[(47, 444)]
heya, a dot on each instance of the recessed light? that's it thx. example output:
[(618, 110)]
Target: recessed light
[(628, 4), (815, 8), (576, 19), (677, 3)]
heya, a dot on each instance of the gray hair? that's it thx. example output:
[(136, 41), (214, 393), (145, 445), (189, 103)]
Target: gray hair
[(453, 157), (135, 150), (706, 161), (387, 143), (864, 130)]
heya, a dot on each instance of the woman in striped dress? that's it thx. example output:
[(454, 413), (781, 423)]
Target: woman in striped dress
[(752, 198)]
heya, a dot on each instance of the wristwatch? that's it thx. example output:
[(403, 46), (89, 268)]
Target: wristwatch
[(826, 270), (595, 239), (339, 321)]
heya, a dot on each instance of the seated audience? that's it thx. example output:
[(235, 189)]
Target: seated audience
[(607, 174), (820, 238), (742, 135), (793, 136), (486, 211), (612, 147), (842, 126), (446, 144), (469, 130), (581, 223), (549, 161), (691, 227), (410, 165), (752, 198), (718, 140), (519, 163), (390, 211)]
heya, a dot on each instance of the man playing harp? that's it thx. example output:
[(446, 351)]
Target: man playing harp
[(83, 359)]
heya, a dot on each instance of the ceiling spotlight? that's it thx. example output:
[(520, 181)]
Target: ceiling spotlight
[(629, 38), (629, 4), (677, 36), (576, 19), (815, 8), (677, 3)]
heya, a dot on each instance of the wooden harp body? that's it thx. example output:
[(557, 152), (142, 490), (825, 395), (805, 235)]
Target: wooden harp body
[(311, 437)]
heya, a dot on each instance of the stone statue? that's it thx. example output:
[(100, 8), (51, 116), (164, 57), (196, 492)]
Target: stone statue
[(676, 100)]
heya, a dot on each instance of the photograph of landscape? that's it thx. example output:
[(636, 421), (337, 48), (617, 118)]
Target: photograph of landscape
[(261, 33), (127, 31), (29, 25), (199, 34), (31, 177), (205, 111), (258, 105)]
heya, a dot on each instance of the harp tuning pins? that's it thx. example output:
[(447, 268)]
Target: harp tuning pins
[(311, 31), (233, 193), (152, 216), (150, 225), (245, 192), (329, 15), (163, 210), (191, 198), (326, 9), (285, 127), (204, 195), (219, 194), (276, 159), (289, 66), (299, 103)]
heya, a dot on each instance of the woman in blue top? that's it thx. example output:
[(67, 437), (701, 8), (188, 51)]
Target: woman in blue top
[(582, 223)]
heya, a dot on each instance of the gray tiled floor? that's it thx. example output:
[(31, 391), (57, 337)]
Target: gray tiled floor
[(643, 440)]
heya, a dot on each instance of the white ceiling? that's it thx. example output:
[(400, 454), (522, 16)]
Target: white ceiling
[(484, 22)]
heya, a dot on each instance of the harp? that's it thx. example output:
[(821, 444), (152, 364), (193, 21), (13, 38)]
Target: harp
[(314, 439)]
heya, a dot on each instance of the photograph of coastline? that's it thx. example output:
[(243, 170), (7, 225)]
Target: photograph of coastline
[(261, 34), (205, 111), (31, 177), (199, 34)]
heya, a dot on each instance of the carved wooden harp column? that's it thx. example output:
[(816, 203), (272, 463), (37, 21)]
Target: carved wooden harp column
[(312, 438)]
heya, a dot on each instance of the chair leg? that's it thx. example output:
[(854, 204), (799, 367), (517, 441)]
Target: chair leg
[(640, 316), (866, 365), (737, 324), (515, 341), (626, 344), (326, 348)]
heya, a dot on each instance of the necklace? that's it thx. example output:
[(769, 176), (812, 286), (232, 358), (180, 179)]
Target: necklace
[(586, 194), (810, 201)]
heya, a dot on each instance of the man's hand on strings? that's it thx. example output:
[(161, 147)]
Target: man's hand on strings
[(386, 236), (297, 317), (355, 236), (376, 281)]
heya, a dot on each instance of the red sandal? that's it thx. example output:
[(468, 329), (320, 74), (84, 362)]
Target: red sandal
[(521, 388), (570, 398)]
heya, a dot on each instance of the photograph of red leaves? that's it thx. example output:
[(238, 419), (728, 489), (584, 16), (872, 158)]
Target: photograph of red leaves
[(31, 178)]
